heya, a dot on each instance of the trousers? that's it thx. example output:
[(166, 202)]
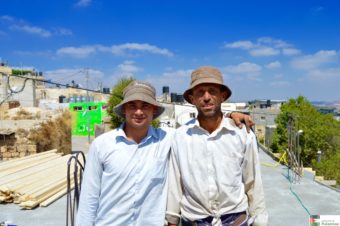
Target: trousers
[(232, 219)]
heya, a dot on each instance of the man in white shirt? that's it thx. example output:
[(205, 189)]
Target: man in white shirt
[(214, 172), (125, 179)]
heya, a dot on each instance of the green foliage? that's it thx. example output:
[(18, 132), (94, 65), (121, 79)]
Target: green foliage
[(329, 167), (320, 132), (21, 72), (156, 123), (117, 97), (261, 140)]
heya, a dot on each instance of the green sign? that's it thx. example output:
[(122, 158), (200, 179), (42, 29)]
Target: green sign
[(85, 115)]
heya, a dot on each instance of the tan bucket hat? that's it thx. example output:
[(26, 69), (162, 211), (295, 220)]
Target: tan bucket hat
[(139, 90), (206, 74)]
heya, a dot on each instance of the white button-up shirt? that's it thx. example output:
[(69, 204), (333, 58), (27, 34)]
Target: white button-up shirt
[(214, 174), (125, 183)]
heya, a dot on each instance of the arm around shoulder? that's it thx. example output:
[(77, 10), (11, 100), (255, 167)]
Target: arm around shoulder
[(253, 183)]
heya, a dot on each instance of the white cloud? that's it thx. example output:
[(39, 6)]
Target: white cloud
[(63, 31), (66, 75), (277, 43), (83, 3), (290, 51), (81, 52), (178, 80), (264, 51), (309, 62), (7, 18), (279, 83), (85, 51), (128, 68), (326, 74), (240, 45), (273, 65), (278, 76), (31, 30), (264, 46), (15, 24), (120, 49), (177, 74), (243, 68)]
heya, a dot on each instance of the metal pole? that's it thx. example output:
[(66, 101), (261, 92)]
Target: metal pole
[(299, 151), (88, 106)]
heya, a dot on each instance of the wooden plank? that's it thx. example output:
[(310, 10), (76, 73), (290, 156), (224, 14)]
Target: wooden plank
[(42, 181), (28, 165), (33, 171), (10, 162), (56, 196), (26, 161), (41, 184), (36, 201)]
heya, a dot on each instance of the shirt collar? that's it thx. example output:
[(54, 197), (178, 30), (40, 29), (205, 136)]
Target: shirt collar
[(152, 132), (226, 123)]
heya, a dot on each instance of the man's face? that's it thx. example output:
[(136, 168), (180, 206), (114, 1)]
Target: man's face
[(138, 114), (208, 99)]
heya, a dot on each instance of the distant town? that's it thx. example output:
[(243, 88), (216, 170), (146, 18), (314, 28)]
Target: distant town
[(30, 91)]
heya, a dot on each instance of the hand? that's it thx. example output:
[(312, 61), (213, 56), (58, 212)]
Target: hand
[(240, 119)]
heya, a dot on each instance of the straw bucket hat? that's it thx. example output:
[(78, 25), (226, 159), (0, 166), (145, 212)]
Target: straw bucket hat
[(139, 90), (205, 75)]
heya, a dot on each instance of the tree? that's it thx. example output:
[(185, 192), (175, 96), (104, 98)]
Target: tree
[(320, 133), (115, 98)]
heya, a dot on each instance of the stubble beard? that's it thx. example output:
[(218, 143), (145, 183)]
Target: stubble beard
[(210, 115)]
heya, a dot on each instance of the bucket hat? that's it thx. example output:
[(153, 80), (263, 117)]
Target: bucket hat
[(139, 90), (206, 74)]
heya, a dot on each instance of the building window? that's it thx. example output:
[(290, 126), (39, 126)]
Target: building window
[(92, 108), (263, 118), (77, 108), (192, 115)]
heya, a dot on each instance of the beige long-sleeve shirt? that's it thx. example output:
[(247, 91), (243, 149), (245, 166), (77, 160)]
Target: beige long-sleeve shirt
[(214, 174)]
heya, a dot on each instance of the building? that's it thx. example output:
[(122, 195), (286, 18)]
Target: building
[(177, 114), (264, 113), (21, 89)]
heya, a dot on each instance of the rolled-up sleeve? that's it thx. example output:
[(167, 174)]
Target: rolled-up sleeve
[(175, 189), (90, 190), (253, 183)]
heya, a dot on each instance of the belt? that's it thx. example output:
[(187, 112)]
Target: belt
[(232, 219)]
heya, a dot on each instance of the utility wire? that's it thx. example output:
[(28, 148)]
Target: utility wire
[(69, 76), (59, 84)]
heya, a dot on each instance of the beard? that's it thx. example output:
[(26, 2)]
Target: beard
[(209, 113)]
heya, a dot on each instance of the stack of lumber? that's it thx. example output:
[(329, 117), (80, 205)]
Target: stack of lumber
[(20, 150), (34, 180)]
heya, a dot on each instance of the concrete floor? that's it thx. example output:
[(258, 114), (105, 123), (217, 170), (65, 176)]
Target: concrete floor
[(53, 215), (283, 207)]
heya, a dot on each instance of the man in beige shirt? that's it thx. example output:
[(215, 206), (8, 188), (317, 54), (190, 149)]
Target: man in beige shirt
[(214, 174)]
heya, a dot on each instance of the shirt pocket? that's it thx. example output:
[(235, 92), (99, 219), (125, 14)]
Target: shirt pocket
[(158, 169), (231, 171)]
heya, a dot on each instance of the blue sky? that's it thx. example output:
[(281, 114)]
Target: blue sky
[(265, 49)]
